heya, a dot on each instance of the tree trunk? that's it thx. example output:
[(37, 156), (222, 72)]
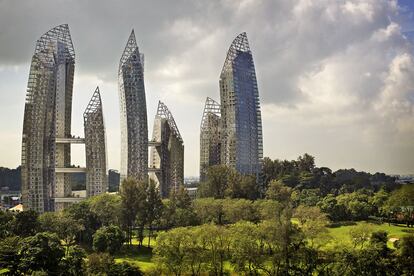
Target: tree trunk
[(149, 235)]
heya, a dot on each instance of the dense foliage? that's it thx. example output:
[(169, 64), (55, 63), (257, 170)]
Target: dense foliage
[(280, 228)]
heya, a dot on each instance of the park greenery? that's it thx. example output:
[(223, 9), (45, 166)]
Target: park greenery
[(302, 220)]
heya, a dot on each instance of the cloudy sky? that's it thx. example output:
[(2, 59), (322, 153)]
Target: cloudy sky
[(336, 77)]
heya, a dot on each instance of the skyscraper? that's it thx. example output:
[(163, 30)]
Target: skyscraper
[(241, 131), (47, 122), (210, 140), (133, 109), (167, 153), (95, 147)]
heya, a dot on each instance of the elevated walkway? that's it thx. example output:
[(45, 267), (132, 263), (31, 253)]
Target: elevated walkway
[(68, 199), (70, 170), (70, 140)]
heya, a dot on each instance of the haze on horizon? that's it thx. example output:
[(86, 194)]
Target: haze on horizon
[(336, 78)]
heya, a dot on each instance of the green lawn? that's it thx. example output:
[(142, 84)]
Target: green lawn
[(340, 235)]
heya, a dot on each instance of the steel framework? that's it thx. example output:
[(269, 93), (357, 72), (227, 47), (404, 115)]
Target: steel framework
[(241, 133), (95, 147), (167, 153), (47, 117), (133, 109), (210, 137)]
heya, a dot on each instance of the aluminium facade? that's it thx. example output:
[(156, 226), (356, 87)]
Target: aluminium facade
[(47, 118), (241, 131), (133, 109), (95, 147), (210, 140), (167, 153)]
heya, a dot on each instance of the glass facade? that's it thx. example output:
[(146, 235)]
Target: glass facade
[(241, 131)]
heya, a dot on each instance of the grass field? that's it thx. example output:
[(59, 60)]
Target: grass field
[(340, 235), (142, 257)]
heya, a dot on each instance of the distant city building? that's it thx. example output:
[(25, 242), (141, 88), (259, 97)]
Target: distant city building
[(133, 109), (95, 147), (167, 152), (241, 133), (210, 140), (47, 117)]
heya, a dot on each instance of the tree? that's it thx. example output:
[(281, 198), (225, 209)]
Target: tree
[(107, 208), (25, 223), (246, 248), (155, 207), (285, 247), (6, 219), (73, 262), (179, 210), (217, 241), (42, 251), (330, 206), (268, 209), (9, 254), (378, 200), (313, 224), (209, 210), (235, 210), (143, 208), (402, 200), (406, 255), (171, 251), (306, 163), (108, 239), (216, 184), (88, 221), (99, 264), (278, 191), (66, 227), (130, 196), (360, 234), (241, 186), (356, 205)]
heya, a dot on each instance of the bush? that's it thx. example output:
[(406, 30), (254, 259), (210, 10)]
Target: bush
[(124, 269)]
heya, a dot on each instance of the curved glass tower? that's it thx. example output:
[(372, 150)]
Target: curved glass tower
[(47, 118), (95, 147), (241, 141), (133, 109)]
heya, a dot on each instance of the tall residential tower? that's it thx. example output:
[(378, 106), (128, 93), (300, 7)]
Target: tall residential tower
[(47, 122), (241, 130), (95, 147), (133, 109)]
